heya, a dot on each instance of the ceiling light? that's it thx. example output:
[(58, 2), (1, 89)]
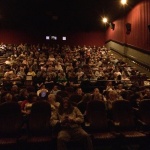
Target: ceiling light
[(105, 20), (123, 2)]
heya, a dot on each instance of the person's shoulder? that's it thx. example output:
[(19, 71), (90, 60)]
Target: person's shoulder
[(75, 108)]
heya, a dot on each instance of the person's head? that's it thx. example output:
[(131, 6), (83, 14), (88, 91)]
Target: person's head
[(43, 86), (65, 102), (43, 95), (14, 88), (21, 68), (44, 75), (109, 83), (96, 91), (24, 92), (51, 98), (120, 86), (32, 97), (115, 75), (8, 69), (147, 91), (97, 95), (79, 70), (55, 88), (8, 97), (113, 95), (79, 91), (65, 106)]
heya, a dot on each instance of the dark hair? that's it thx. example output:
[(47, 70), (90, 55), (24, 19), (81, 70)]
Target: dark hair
[(31, 96), (61, 109)]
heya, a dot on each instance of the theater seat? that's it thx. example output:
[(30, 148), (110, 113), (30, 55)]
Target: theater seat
[(10, 125), (97, 123), (144, 115), (39, 130), (125, 122)]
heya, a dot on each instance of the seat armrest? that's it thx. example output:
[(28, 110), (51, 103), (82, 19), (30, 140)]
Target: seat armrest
[(142, 123), (114, 126), (135, 109), (136, 113)]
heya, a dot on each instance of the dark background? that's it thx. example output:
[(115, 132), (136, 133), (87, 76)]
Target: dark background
[(60, 15)]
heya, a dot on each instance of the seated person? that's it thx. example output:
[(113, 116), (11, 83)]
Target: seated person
[(96, 95), (135, 98), (53, 103), (8, 98), (82, 105), (70, 119), (112, 96), (120, 88), (42, 91), (27, 104), (146, 94), (76, 97), (54, 90)]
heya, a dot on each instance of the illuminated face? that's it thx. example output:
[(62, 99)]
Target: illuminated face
[(65, 103), (55, 88), (96, 91), (79, 91), (120, 86)]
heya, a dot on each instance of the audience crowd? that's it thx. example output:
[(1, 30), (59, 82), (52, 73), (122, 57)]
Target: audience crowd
[(59, 74)]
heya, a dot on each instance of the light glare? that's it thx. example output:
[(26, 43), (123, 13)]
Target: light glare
[(123, 2), (105, 20)]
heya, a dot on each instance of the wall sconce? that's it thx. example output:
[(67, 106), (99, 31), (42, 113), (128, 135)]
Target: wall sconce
[(128, 28), (148, 27), (112, 25)]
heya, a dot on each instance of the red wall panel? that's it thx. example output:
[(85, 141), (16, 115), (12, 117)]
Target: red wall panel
[(17, 37), (88, 39), (139, 19), (83, 38)]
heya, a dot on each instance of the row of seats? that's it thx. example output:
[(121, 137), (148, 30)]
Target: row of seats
[(125, 126), (25, 132)]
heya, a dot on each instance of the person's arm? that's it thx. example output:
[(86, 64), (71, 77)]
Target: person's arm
[(57, 120), (54, 120), (38, 92), (79, 116)]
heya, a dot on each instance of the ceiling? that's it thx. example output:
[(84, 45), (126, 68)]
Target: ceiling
[(60, 15)]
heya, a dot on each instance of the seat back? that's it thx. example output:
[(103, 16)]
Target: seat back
[(96, 115), (144, 111), (86, 86), (39, 118), (123, 115), (10, 119), (74, 98)]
